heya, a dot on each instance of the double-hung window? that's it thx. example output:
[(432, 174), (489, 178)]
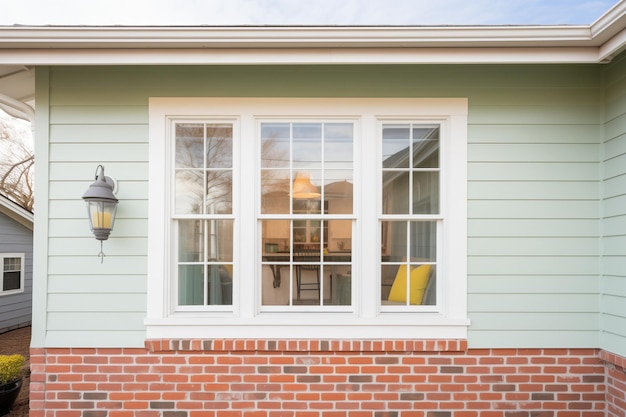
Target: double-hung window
[(328, 218), (12, 273), (203, 214)]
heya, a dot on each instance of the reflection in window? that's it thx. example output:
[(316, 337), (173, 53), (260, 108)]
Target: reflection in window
[(410, 180), (203, 213), (306, 213), (203, 166)]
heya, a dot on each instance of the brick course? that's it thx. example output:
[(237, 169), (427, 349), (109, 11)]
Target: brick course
[(309, 378)]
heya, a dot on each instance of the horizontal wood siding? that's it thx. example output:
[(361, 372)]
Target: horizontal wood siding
[(613, 284), (534, 158), (15, 309), (533, 217)]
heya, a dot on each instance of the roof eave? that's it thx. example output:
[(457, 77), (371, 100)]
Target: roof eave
[(78, 45), (49, 45), (16, 212)]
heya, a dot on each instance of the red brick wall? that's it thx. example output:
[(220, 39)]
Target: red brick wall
[(261, 378), (616, 384)]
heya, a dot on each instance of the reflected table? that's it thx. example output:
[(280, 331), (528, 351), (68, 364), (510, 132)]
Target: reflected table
[(278, 260)]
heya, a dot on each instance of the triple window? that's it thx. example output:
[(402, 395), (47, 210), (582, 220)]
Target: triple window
[(336, 206)]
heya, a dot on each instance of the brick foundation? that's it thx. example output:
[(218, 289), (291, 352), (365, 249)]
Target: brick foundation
[(227, 378), (616, 384)]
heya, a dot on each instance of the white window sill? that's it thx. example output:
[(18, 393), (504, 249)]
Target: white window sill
[(385, 326)]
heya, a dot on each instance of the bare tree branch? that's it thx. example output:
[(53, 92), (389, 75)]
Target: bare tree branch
[(17, 162)]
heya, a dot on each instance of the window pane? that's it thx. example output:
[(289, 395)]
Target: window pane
[(407, 284), (219, 192), (306, 192), (219, 146), (307, 131), (340, 236), (190, 240), (220, 284), (300, 231), (395, 192), (220, 240), (425, 192), (188, 190), (276, 236), (338, 194), (307, 146), (423, 241), (189, 145), (275, 191), (338, 146), (190, 285), (275, 149), (394, 241), (11, 281), (396, 142), (426, 146), (12, 264)]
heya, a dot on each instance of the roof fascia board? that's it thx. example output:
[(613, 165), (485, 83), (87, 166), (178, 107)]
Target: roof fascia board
[(292, 37), (51, 45), (299, 56), (16, 212), (610, 23), (612, 47), (610, 30)]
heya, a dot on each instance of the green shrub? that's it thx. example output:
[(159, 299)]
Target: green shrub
[(10, 367)]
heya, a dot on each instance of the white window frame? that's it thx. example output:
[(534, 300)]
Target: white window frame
[(366, 318), (3, 256)]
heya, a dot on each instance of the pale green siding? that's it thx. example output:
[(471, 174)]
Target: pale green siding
[(534, 162), (613, 283)]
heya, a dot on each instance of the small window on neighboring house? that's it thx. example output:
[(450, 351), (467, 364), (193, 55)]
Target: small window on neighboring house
[(331, 218), (12, 273)]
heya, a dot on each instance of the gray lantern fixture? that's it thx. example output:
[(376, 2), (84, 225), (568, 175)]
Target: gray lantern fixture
[(101, 206)]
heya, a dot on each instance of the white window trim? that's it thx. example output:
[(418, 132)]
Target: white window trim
[(11, 255), (247, 321)]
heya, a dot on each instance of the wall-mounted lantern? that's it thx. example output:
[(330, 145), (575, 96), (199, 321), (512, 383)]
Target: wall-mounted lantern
[(101, 206)]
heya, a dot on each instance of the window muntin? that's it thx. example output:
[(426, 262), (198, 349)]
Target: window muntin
[(12, 273), (203, 213), (410, 219), (306, 218)]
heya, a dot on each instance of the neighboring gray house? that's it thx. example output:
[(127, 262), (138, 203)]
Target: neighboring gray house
[(16, 265)]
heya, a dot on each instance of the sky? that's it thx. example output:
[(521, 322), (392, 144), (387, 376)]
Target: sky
[(301, 12)]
